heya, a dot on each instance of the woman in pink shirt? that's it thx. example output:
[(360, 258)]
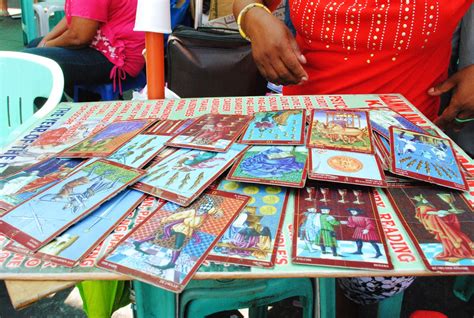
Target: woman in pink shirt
[(94, 43)]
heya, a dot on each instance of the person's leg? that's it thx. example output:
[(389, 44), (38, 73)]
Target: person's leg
[(79, 66)]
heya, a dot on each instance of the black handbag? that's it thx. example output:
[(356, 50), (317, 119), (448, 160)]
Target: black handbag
[(211, 62)]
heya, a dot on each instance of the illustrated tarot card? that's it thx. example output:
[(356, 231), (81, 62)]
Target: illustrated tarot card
[(440, 223), (383, 144), (140, 150), (24, 184), (169, 127), (273, 165), (284, 127), (381, 119), (346, 167), (184, 174), (107, 140), (35, 222), (211, 132), (251, 239), (338, 225), (347, 130), (425, 157), (80, 239), (168, 247)]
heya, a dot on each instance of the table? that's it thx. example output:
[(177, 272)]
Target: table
[(70, 119)]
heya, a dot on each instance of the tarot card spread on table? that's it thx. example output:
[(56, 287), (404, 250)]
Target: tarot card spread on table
[(139, 151), (440, 223), (251, 238), (77, 241), (285, 127), (21, 186), (425, 158), (346, 167), (211, 132), (382, 119), (169, 127), (168, 247), (338, 226), (340, 130), (183, 175), (278, 165), (36, 222), (107, 140)]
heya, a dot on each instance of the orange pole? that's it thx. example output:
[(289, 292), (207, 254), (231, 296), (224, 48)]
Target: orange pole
[(155, 65)]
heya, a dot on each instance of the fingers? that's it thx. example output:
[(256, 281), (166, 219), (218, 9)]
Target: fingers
[(447, 118), (444, 87)]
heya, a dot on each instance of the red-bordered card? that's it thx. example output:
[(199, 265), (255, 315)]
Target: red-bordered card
[(273, 165), (181, 176), (283, 127), (252, 238), (425, 157), (345, 130), (337, 225), (382, 118), (167, 248), (439, 222), (169, 127), (107, 140), (35, 222), (346, 167), (213, 132)]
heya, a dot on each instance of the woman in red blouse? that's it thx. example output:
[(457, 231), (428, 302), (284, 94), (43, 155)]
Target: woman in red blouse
[(364, 46)]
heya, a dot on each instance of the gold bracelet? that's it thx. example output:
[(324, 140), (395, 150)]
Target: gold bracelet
[(242, 14)]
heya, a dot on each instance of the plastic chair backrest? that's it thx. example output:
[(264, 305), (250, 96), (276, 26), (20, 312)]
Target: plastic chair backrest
[(23, 78)]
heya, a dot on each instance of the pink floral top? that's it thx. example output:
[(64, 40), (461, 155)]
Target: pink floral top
[(115, 37)]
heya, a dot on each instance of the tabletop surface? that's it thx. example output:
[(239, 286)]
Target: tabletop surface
[(70, 121)]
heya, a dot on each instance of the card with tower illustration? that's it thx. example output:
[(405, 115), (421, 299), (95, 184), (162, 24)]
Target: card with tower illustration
[(181, 176), (107, 140), (37, 221), (272, 165), (426, 158), (440, 223), (140, 150), (345, 130), (212, 132), (284, 127), (338, 225), (252, 238), (168, 247)]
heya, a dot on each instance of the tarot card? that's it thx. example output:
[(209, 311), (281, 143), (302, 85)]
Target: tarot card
[(383, 144), (168, 247), (439, 222), (381, 119), (169, 127), (35, 222), (211, 132), (184, 174), (425, 157), (140, 150), (24, 184), (284, 127), (346, 167), (80, 239), (273, 165), (251, 239), (338, 225), (347, 130), (107, 140)]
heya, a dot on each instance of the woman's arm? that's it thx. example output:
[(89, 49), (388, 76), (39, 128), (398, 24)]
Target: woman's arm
[(55, 32), (79, 33), (274, 48)]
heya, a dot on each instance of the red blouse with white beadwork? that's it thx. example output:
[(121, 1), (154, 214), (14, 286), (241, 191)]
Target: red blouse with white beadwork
[(376, 46)]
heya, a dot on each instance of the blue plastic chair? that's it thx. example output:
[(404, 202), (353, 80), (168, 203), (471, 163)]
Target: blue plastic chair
[(106, 91), (205, 297), (23, 78)]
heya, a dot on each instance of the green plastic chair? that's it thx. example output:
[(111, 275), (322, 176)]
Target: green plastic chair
[(23, 78), (205, 297)]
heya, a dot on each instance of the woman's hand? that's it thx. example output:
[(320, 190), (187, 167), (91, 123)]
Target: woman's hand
[(461, 106), (274, 48)]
